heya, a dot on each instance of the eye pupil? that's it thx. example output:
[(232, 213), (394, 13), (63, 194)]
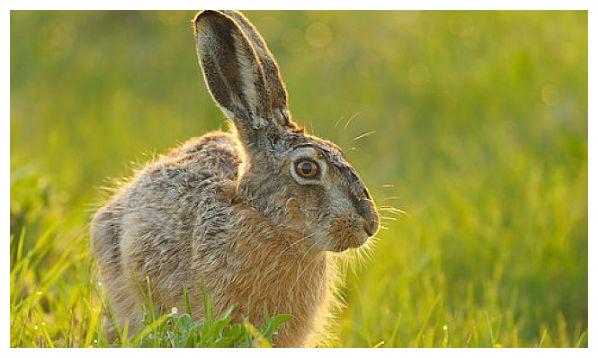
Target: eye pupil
[(307, 168)]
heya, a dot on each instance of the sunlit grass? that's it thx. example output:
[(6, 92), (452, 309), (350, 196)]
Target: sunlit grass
[(72, 315), (470, 129)]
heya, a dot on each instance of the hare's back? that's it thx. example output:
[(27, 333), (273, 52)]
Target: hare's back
[(216, 153), (172, 197), (152, 224)]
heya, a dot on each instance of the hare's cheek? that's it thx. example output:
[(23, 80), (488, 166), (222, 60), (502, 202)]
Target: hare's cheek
[(305, 204), (293, 211)]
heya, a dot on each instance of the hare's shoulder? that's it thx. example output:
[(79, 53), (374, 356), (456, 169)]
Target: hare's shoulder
[(213, 154)]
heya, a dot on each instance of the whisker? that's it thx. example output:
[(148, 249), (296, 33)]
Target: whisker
[(364, 135), (351, 119), (306, 266), (303, 239), (391, 209), (391, 213), (338, 121), (299, 266)]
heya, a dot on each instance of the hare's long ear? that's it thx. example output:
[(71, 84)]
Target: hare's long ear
[(235, 76), (274, 84)]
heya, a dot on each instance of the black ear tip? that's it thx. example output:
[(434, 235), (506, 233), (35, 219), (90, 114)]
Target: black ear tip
[(212, 18), (210, 14), (202, 14), (202, 18)]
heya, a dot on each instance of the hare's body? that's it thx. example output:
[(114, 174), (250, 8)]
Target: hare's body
[(249, 215), (179, 221)]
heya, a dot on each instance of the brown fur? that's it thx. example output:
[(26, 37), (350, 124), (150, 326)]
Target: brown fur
[(226, 211)]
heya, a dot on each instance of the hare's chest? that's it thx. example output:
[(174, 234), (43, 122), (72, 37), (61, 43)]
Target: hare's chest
[(270, 280), (298, 289)]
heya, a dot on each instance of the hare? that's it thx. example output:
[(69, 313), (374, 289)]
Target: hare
[(252, 215)]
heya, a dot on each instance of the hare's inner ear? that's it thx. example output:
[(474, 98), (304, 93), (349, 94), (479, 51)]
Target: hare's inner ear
[(233, 72)]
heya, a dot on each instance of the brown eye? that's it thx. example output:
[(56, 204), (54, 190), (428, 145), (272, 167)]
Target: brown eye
[(307, 168)]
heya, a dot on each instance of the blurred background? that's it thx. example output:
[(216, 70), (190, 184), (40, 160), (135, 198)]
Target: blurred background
[(472, 123)]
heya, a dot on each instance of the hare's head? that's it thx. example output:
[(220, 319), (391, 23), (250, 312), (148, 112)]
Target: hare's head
[(299, 181)]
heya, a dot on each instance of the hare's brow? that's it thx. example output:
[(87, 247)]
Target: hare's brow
[(333, 158), (303, 145), (314, 146)]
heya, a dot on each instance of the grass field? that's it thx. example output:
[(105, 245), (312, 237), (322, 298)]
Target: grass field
[(472, 123)]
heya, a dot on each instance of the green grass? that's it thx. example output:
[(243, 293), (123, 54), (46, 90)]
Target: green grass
[(480, 137), (158, 330)]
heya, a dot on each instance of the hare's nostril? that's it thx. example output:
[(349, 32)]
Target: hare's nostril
[(370, 227)]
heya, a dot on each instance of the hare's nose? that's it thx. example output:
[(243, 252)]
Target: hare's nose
[(367, 210), (371, 227)]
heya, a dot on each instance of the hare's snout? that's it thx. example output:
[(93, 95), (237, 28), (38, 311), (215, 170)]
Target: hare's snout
[(371, 220)]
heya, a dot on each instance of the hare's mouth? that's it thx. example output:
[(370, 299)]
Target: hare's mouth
[(346, 234)]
